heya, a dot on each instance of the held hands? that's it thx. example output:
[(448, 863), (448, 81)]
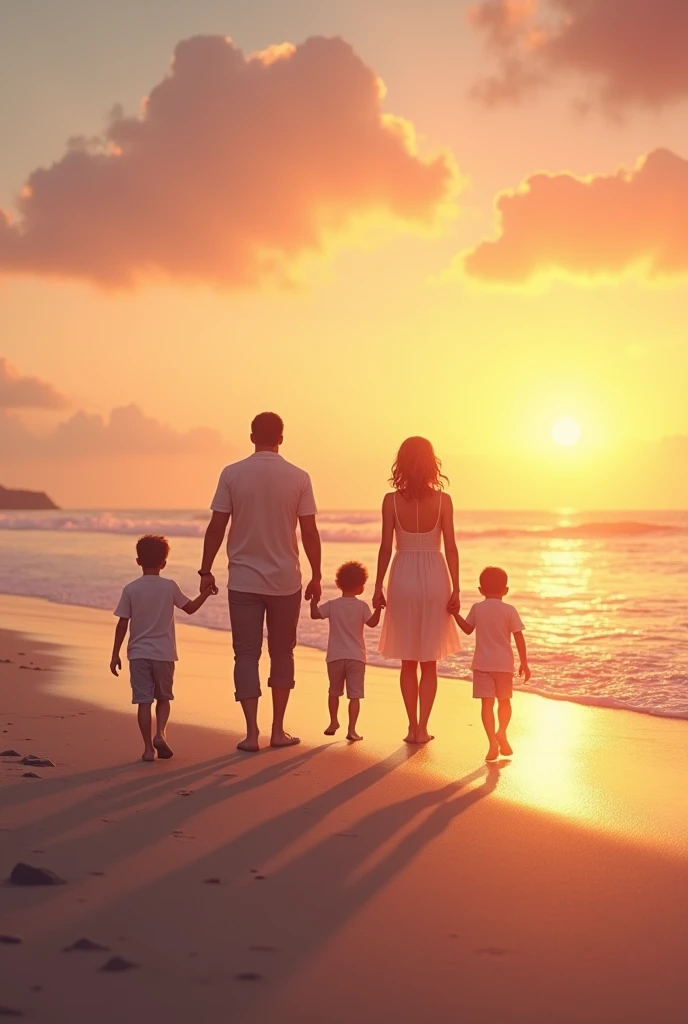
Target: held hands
[(524, 670), (207, 583), (313, 591), (116, 663), (454, 603), (379, 600)]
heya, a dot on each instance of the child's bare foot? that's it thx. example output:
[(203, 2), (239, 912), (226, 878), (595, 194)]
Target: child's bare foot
[(423, 736), (164, 751), (504, 745), (353, 735), (332, 728), (493, 752), (148, 755)]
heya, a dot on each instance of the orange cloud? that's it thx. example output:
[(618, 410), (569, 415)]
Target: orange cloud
[(631, 52), (127, 432), (17, 392), (235, 168), (602, 226)]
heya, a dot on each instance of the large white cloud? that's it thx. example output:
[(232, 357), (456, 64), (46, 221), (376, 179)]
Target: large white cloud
[(235, 168)]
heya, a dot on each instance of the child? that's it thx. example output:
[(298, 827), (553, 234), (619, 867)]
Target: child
[(147, 606), (493, 662), (346, 652)]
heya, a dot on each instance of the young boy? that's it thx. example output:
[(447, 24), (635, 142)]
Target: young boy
[(494, 622), (346, 652), (147, 607)]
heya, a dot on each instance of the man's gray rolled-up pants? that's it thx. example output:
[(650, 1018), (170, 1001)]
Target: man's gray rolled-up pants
[(247, 614)]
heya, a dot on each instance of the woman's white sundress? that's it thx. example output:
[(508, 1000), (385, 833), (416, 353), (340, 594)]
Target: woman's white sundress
[(417, 625)]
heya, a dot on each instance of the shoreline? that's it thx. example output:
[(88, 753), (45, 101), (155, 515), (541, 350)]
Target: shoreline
[(413, 880), (589, 701)]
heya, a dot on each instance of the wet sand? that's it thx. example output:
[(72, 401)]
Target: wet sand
[(378, 881)]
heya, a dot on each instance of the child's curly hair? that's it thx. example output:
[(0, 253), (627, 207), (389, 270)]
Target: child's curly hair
[(351, 575)]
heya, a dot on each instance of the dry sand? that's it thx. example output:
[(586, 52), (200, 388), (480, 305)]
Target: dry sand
[(378, 881)]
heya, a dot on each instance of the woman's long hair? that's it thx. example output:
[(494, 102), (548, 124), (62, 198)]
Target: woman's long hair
[(417, 471)]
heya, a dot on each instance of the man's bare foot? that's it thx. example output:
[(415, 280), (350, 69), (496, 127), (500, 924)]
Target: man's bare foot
[(148, 755), (353, 736), (284, 740), (164, 751), (423, 736), (250, 745), (504, 746), (332, 728), (493, 752)]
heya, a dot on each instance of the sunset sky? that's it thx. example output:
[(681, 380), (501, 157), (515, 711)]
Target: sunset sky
[(496, 240)]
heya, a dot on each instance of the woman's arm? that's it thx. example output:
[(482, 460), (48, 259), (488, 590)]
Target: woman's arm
[(451, 552), (385, 552)]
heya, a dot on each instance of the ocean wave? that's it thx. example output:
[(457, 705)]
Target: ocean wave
[(335, 527)]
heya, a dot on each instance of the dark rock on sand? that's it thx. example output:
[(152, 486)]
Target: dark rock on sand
[(10, 940), (211, 881), (118, 963), (87, 946), (9, 753), (37, 762), (26, 874), (31, 775), (248, 976), (7, 1011)]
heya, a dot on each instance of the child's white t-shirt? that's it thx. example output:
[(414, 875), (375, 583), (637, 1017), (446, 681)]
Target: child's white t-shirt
[(348, 616), (149, 602), (494, 622)]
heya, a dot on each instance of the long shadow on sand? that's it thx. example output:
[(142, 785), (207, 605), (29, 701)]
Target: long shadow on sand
[(310, 896)]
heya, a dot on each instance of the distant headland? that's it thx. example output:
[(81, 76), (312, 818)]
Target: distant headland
[(24, 500)]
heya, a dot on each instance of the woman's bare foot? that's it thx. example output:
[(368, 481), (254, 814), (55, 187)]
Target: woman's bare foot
[(504, 746), (283, 739), (423, 736), (493, 752), (148, 755), (353, 736), (332, 728), (250, 744), (410, 736)]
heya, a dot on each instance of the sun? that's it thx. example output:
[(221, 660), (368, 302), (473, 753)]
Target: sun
[(566, 432)]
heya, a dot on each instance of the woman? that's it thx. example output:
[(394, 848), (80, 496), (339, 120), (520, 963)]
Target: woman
[(418, 626)]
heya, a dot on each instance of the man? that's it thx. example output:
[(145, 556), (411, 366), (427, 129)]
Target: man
[(265, 497)]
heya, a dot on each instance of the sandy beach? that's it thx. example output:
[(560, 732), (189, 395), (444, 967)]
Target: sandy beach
[(379, 881)]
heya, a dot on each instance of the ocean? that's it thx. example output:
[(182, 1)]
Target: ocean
[(603, 595)]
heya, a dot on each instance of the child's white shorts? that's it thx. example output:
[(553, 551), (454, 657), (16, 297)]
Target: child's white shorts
[(493, 684)]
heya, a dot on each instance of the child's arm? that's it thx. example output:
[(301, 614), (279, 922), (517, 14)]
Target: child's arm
[(467, 627), (192, 606), (315, 611), (523, 669), (374, 619), (120, 633)]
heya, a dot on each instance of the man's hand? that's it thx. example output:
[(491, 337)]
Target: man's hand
[(313, 591), (524, 670), (207, 583), (379, 598), (115, 664), (454, 604), (208, 589)]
